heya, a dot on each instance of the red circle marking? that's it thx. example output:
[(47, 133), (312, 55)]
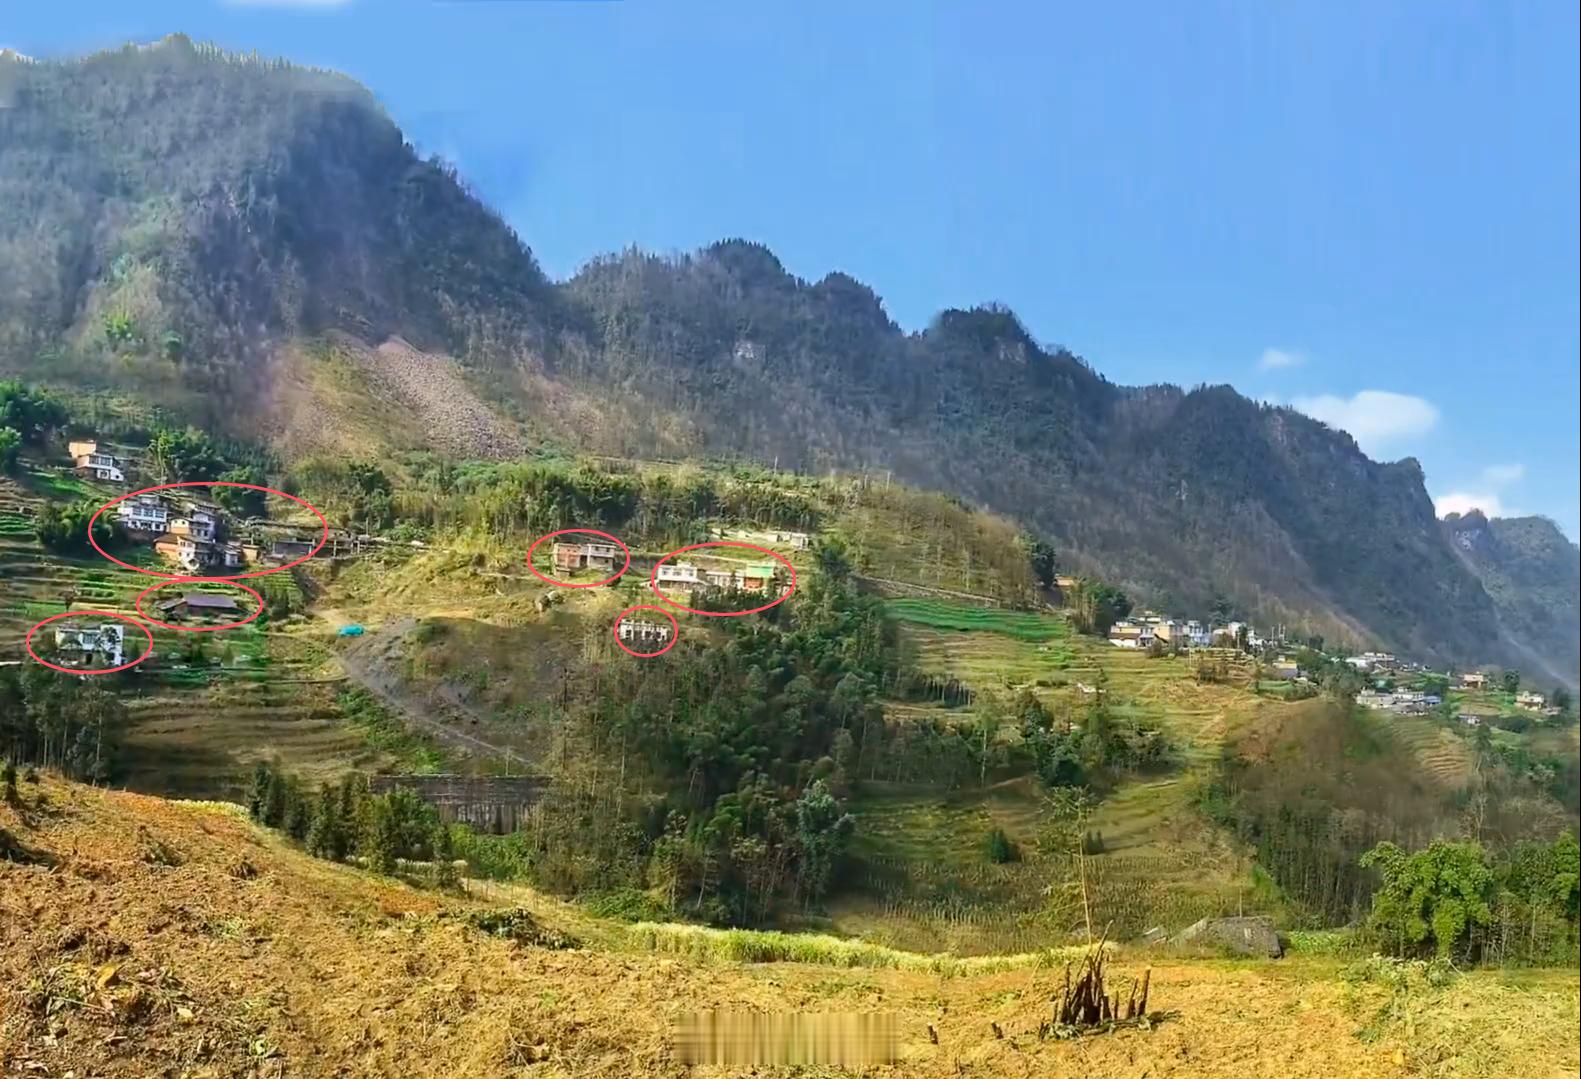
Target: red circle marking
[(675, 632), (653, 578), (209, 483), (137, 604), (27, 641), (581, 532)]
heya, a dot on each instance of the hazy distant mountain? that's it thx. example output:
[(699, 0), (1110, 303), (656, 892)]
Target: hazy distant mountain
[(189, 227), (1530, 569)]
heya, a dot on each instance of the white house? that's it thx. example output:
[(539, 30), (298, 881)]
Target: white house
[(90, 461), (1529, 699), (86, 646), (145, 513), (679, 573), (644, 632)]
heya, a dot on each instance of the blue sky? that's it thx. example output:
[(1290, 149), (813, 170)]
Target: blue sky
[(1365, 210)]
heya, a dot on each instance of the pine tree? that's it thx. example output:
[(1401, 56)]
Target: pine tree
[(382, 839), (274, 799), (326, 836), (258, 791), (298, 810), (444, 849)]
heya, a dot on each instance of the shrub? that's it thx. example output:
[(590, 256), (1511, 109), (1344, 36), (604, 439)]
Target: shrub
[(1001, 848)]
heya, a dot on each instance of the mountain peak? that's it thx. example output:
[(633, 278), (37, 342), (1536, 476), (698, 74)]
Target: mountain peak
[(269, 214)]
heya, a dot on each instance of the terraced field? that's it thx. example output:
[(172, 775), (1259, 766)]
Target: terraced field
[(923, 871), (923, 875), (991, 661), (1442, 753), (201, 743), (1021, 625), (204, 706)]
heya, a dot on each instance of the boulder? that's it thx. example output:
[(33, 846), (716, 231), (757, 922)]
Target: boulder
[(1238, 936)]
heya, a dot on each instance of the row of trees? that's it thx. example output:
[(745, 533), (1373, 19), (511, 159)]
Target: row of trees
[(60, 721), (1459, 901), (544, 496), (346, 820)]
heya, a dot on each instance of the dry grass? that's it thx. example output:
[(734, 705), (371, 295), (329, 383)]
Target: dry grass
[(230, 955)]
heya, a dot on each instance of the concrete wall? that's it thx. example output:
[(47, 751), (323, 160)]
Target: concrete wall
[(488, 803)]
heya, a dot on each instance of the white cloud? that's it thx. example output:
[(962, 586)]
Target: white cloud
[(1277, 359), (1376, 419), (1499, 475), (1484, 497), (1461, 501)]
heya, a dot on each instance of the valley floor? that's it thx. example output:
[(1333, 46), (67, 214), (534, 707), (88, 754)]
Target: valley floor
[(144, 937)]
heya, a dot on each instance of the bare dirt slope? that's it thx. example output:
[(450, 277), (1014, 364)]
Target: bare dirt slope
[(343, 396), (140, 937)]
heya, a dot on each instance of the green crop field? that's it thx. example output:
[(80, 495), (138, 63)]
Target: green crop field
[(940, 614)]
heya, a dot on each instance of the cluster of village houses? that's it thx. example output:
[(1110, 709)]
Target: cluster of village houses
[(100, 646), (1175, 634), (187, 530), (605, 558), (1182, 635), (1145, 631), (192, 533)]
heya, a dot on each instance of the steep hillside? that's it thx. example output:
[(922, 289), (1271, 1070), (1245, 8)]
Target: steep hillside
[(241, 240), (1531, 571), (141, 937)]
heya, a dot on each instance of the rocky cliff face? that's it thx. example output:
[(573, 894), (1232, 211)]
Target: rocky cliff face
[(172, 220), (1530, 571)]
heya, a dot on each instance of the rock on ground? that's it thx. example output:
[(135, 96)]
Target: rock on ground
[(1240, 936)]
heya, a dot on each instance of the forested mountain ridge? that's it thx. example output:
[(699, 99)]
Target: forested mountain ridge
[(174, 220)]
